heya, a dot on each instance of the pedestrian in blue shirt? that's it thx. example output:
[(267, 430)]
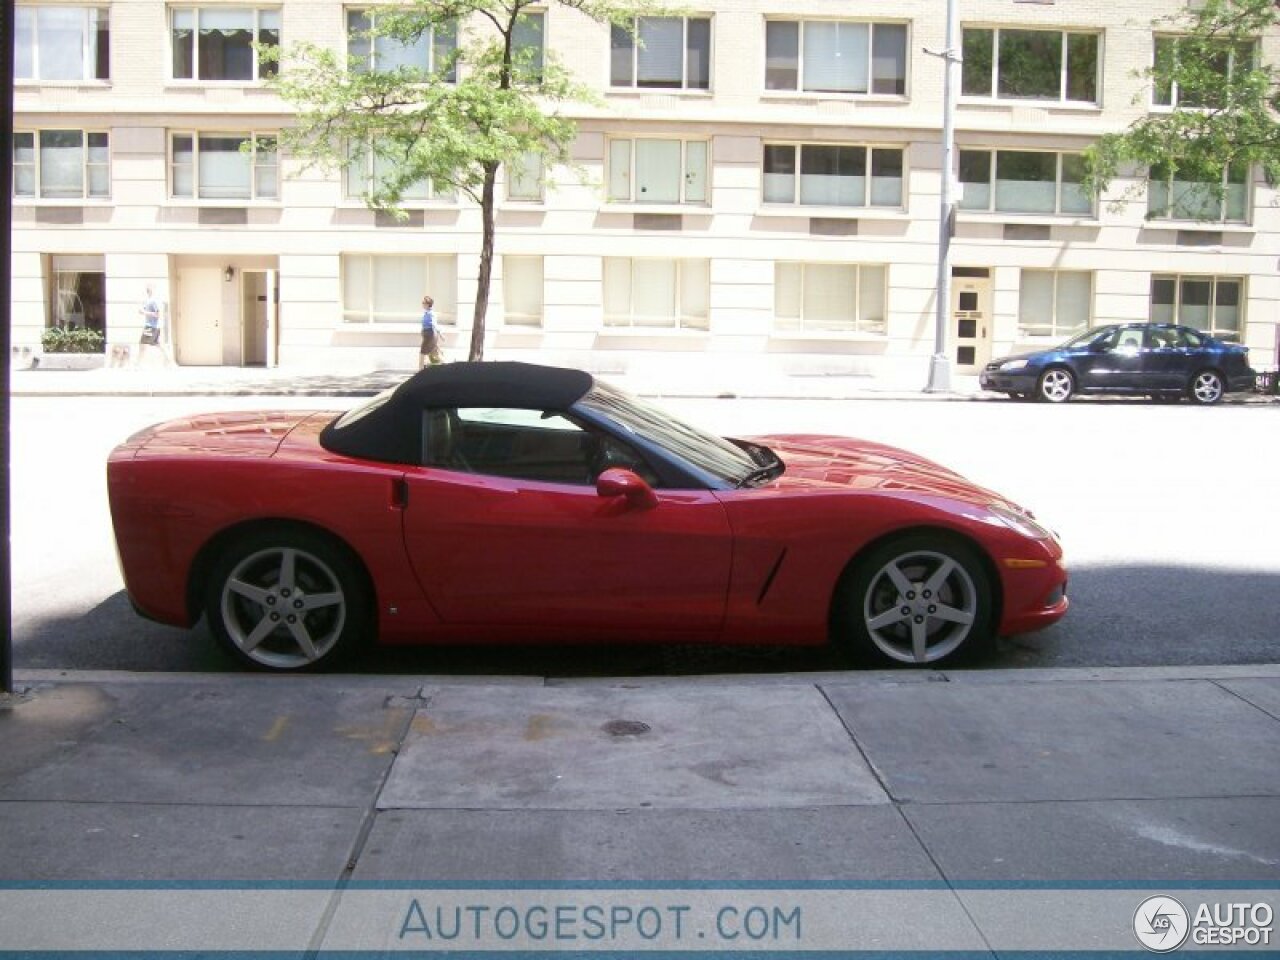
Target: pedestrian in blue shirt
[(429, 352)]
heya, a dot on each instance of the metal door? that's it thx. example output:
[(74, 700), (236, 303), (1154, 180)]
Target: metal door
[(971, 319)]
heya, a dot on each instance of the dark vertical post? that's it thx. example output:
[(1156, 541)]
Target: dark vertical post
[(6, 329)]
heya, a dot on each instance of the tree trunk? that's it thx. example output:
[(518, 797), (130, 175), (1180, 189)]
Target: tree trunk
[(486, 263)]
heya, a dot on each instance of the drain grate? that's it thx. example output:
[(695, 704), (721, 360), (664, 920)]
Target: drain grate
[(626, 728)]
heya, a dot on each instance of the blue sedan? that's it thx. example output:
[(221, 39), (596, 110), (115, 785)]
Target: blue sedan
[(1144, 359)]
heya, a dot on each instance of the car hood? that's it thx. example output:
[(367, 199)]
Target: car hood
[(818, 462), (1033, 355), (254, 433)]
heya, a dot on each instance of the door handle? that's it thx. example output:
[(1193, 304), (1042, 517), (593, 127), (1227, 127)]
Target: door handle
[(399, 493)]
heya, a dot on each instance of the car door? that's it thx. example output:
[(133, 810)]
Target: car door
[(1169, 359), (1115, 363), (506, 528)]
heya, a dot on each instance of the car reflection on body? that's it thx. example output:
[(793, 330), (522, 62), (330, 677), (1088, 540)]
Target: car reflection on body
[(506, 502), (1145, 359)]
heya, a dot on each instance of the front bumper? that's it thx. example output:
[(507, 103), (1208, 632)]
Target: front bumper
[(1035, 587), (1016, 381)]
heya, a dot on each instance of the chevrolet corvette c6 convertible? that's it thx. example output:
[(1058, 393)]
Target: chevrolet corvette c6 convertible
[(506, 502)]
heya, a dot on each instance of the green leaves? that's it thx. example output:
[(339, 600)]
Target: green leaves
[(439, 92), (1214, 103)]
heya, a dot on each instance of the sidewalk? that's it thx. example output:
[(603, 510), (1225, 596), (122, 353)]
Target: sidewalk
[(260, 381), (1161, 775)]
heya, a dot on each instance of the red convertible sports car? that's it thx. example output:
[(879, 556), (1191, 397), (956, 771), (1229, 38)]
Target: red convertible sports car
[(505, 502)]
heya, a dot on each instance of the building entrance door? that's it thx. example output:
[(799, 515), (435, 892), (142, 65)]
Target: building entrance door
[(197, 317), (971, 318)]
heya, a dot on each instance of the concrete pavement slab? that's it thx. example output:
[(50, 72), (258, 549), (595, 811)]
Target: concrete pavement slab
[(1262, 692), (607, 748), (174, 843), (1225, 840), (286, 744), (837, 844), (947, 742)]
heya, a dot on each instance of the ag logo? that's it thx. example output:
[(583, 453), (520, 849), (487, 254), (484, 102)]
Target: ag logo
[(1161, 924)]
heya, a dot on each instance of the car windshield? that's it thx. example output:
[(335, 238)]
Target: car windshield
[(715, 455), (1085, 337)]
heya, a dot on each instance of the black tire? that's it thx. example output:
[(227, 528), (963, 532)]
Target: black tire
[(887, 625), (1207, 388), (287, 599), (1056, 385)]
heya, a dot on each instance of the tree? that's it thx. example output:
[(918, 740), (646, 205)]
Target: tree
[(1223, 103), (483, 92)]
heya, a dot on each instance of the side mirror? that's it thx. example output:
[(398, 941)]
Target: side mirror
[(618, 482), (1098, 346)]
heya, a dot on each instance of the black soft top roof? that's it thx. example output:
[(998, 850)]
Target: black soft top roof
[(392, 432)]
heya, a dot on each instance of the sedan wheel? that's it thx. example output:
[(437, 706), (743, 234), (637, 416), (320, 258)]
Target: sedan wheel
[(1056, 385), (1206, 387), (287, 601), (919, 600)]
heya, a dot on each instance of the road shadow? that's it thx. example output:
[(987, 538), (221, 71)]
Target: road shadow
[(1128, 615)]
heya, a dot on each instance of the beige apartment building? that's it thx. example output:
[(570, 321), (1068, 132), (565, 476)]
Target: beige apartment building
[(761, 194)]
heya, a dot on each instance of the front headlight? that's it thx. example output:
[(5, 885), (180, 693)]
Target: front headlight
[(1013, 364), (1019, 522)]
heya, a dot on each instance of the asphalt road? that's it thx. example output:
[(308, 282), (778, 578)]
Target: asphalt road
[(1167, 512)]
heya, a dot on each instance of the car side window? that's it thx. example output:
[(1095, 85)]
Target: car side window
[(1129, 340), (520, 444)]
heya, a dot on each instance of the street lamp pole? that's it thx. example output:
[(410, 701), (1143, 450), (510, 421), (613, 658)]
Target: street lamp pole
[(940, 363)]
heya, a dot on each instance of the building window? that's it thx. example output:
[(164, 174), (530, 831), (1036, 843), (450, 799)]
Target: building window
[(528, 42), (1222, 58), (522, 291), (61, 164), (1171, 198), (1054, 303), (377, 289), (836, 56), (372, 53), (78, 299), (1023, 181), (524, 178), (659, 293), (224, 166), (832, 175), (1211, 304), (1030, 65), (830, 298), (672, 53), (56, 43), (367, 173), (220, 43), (658, 171)]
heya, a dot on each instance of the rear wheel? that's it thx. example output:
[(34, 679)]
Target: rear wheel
[(918, 599), (1206, 387), (1056, 385), (287, 600)]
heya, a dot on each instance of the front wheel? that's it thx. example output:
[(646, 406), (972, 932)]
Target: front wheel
[(1056, 385), (1206, 387), (919, 599), (286, 600)]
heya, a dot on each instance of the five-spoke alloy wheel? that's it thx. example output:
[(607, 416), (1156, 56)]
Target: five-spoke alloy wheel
[(1056, 385), (287, 600), (919, 599), (1206, 387)]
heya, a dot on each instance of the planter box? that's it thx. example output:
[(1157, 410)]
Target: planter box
[(68, 361)]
